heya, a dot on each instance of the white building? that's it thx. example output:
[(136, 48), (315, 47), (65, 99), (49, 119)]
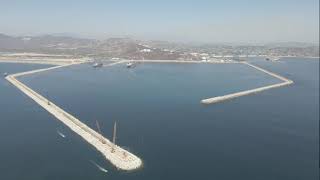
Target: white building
[(145, 50)]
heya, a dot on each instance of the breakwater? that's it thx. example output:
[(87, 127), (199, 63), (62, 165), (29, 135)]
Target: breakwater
[(284, 82), (119, 157)]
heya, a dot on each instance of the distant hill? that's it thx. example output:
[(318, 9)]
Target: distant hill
[(291, 44), (8, 42), (40, 43), (55, 44), (128, 48)]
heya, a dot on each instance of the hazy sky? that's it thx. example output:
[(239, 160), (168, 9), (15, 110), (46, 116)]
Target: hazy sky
[(176, 20)]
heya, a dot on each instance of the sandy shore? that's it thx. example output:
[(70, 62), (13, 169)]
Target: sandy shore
[(42, 60)]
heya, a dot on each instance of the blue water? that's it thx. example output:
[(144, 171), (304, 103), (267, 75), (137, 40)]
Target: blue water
[(270, 135)]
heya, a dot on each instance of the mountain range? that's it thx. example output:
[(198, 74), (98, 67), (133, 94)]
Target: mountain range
[(128, 48)]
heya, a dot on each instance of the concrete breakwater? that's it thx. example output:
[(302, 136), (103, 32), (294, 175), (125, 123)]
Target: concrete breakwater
[(114, 63), (251, 91), (181, 61), (119, 157)]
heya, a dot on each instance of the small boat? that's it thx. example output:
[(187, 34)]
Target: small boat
[(61, 134), (99, 167), (5, 74), (129, 64), (272, 58), (275, 59), (97, 64)]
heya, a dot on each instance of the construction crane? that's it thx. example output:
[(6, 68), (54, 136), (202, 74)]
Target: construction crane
[(114, 132), (101, 137), (48, 98), (114, 136)]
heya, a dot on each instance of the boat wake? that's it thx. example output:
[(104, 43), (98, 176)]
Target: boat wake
[(99, 167), (61, 134)]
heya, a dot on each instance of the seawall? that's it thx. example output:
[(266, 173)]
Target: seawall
[(119, 157), (284, 82)]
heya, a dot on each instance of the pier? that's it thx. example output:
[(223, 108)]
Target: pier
[(119, 157), (284, 82)]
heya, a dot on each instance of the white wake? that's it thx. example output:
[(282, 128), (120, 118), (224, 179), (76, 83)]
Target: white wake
[(61, 134), (99, 167)]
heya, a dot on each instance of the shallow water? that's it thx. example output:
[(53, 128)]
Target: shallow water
[(270, 135)]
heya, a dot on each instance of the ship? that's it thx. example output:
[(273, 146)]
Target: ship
[(130, 65), (97, 65), (272, 58)]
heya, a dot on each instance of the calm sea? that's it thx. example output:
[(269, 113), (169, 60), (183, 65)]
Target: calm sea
[(269, 135)]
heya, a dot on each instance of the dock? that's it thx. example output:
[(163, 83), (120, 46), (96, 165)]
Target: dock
[(285, 82), (119, 157)]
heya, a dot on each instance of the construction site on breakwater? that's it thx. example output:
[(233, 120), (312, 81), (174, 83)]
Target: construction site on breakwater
[(119, 157)]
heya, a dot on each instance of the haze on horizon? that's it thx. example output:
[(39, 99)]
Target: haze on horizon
[(210, 21)]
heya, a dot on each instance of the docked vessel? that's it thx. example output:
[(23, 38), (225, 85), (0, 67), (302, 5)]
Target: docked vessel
[(272, 58), (97, 64), (129, 65)]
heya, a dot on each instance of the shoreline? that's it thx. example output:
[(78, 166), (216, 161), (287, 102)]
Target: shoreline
[(50, 61)]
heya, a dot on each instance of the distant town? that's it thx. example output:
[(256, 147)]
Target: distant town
[(64, 47)]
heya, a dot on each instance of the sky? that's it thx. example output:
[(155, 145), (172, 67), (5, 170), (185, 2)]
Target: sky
[(209, 21)]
